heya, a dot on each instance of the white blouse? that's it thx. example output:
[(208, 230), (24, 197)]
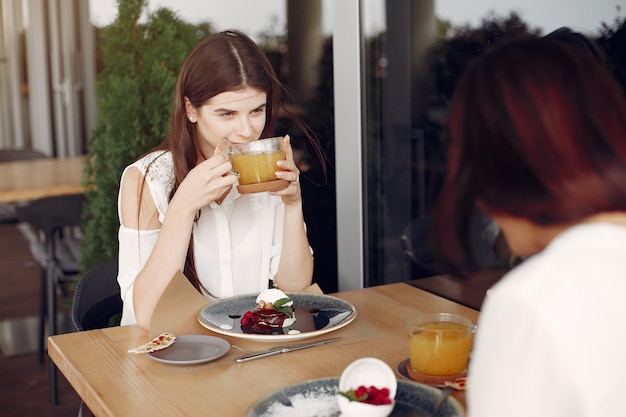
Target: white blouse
[(551, 334), (237, 244)]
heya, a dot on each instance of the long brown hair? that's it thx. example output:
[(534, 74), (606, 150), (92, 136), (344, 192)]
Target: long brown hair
[(537, 130), (226, 61)]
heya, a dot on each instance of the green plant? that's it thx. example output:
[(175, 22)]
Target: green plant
[(140, 62)]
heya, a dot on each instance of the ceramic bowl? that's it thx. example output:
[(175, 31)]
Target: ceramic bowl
[(367, 372)]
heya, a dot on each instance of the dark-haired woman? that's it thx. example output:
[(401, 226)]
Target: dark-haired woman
[(537, 139), (179, 208)]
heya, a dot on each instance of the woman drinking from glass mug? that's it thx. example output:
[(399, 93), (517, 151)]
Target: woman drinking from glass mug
[(179, 207), (537, 139)]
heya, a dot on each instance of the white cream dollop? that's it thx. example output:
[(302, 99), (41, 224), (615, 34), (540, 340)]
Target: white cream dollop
[(272, 295)]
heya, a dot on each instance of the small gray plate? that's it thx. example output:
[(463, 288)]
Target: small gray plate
[(191, 350)]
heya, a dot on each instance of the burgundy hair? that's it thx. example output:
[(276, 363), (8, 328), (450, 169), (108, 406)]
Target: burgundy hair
[(537, 130)]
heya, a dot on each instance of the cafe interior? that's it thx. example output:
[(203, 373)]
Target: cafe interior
[(372, 78)]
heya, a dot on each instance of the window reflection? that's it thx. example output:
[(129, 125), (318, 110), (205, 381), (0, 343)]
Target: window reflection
[(414, 52), (411, 66)]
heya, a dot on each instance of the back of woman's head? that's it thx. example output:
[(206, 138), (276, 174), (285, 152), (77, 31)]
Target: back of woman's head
[(567, 35), (536, 130)]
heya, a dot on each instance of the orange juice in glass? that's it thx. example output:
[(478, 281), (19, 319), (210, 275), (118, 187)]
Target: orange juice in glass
[(439, 343), (256, 167), (255, 163)]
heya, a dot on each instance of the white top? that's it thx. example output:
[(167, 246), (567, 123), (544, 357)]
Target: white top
[(551, 337), (237, 244)]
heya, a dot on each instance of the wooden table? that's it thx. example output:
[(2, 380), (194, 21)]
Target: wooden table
[(37, 178), (113, 382)]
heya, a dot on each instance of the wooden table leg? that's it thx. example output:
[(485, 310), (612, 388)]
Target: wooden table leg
[(52, 313)]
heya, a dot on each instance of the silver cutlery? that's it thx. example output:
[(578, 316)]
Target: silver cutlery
[(254, 352), (284, 349)]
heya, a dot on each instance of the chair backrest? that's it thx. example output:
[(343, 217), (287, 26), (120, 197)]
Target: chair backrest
[(50, 213), (7, 155), (97, 302), (58, 219), (8, 212), (417, 253)]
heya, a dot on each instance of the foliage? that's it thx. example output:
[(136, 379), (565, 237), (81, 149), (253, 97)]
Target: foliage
[(446, 61), (613, 40), (452, 54), (140, 62), (272, 38), (431, 86)]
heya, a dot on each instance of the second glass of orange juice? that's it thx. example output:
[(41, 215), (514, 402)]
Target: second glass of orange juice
[(439, 343)]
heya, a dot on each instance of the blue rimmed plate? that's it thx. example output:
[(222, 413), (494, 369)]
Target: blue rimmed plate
[(316, 314), (318, 398)]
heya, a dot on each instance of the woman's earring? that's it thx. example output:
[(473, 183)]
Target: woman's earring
[(191, 119)]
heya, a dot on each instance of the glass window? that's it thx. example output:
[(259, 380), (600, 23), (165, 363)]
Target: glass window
[(414, 53), (411, 54)]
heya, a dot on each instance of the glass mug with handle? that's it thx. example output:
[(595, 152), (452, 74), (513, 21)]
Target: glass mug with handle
[(254, 163)]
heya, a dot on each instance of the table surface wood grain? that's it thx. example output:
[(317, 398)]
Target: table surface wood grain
[(113, 382), (38, 178)]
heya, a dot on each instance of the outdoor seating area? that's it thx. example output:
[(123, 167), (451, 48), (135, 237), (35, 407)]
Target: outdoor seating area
[(312, 208), (24, 387)]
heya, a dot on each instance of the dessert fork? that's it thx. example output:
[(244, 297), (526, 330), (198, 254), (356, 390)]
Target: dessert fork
[(281, 349), (256, 352)]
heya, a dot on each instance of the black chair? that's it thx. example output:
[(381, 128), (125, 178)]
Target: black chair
[(419, 258), (97, 300), (7, 155), (54, 242), (8, 212)]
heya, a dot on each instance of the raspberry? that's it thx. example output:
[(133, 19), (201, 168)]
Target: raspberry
[(368, 395), (245, 319)]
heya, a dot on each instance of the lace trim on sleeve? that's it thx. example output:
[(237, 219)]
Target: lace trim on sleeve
[(158, 169)]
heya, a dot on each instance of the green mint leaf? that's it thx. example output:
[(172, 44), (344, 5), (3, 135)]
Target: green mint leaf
[(281, 301), (351, 395), (280, 306)]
